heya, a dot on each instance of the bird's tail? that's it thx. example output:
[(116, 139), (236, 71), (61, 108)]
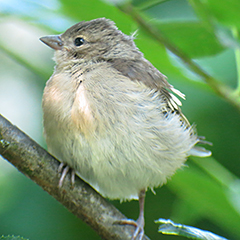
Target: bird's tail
[(200, 151)]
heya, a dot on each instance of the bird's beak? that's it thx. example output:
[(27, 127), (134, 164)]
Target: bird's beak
[(53, 41)]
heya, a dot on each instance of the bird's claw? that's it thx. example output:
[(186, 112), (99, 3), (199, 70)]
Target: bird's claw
[(139, 225), (64, 169)]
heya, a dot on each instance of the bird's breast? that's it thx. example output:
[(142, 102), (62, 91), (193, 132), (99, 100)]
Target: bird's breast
[(81, 112)]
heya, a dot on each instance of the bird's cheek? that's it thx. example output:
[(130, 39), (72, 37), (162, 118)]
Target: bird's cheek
[(61, 57)]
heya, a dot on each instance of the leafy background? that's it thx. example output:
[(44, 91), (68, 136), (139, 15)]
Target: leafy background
[(206, 193)]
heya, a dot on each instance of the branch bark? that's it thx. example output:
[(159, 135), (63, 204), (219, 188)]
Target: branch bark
[(83, 201)]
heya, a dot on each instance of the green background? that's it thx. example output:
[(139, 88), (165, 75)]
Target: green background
[(206, 193)]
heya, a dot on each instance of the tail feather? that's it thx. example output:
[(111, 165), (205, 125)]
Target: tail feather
[(201, 151)]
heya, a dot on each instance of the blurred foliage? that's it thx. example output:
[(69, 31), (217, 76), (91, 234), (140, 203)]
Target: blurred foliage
[(206, 194), (12, 238), (171, 228)]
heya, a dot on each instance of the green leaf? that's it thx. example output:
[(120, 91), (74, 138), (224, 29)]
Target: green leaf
[(171, 228), (216, 15), (202, 13), (226, 12), (193, 38), (202, 192)]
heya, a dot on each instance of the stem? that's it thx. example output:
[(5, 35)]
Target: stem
[(237, 55), (149, 4)]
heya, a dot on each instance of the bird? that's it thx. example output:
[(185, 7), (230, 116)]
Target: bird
[(112, 117)]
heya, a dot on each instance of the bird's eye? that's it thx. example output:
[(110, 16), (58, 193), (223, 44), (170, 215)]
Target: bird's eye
[(78, 41)]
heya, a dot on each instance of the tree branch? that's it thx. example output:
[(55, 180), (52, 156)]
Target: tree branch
[(83, 201)]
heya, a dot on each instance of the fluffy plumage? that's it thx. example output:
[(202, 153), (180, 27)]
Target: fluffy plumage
[(110, 114)]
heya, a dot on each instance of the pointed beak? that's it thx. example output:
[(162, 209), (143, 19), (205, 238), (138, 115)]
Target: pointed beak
[(53, 41)]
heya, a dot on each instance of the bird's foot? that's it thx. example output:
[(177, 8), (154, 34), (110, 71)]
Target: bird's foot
[(64, 169), (139, 227)]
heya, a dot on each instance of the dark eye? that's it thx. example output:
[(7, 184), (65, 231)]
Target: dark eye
[(78, 41)]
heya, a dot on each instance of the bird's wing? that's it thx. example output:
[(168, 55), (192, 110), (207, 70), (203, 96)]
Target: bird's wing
[(143, 71)]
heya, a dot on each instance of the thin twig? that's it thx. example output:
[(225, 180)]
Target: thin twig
[(219, 88), (149, 4), (237, 56)]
